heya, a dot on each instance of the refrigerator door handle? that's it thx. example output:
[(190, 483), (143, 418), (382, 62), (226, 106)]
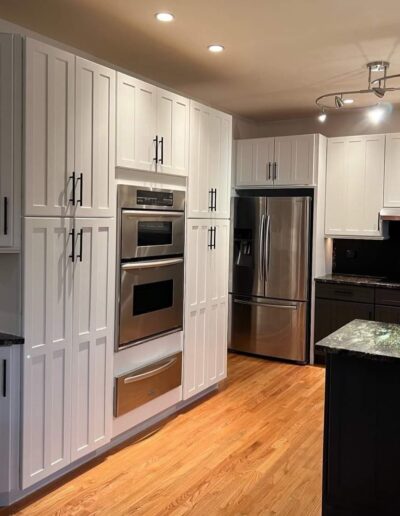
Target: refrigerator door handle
[(261, 249), (267, 305), (266, 246)]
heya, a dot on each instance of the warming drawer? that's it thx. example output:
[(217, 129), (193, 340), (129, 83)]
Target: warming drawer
[(142, 385)]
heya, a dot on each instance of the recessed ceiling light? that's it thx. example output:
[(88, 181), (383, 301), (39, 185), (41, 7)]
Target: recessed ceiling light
[(215, 48), (164, 17), (348, 101)]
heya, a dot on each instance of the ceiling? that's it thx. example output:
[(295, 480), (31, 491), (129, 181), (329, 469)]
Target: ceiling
[(280, 54)]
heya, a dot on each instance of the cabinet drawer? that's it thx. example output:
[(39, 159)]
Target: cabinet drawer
[(345, 292), (387, 296), (142, 385), (389, 314)]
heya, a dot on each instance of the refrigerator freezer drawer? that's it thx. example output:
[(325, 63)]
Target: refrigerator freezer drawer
[(269, 327)]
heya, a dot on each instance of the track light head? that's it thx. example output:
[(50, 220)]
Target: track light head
[(379, 92), (339, 101)]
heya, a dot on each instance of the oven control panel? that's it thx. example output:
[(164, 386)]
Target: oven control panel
[(154, 198)]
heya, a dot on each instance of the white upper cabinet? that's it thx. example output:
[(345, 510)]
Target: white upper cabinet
[(49, 129), (10, 140), (354, 186), (69, 134), (152, 128), (94, 140), (282, 161), (210, 163), (136, 123), (392, 171), (206, 304), (172, 133)]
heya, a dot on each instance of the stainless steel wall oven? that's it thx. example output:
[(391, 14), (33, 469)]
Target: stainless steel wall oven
[(151, 225)]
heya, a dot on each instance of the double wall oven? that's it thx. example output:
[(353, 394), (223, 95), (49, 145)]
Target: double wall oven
[(151, 224)]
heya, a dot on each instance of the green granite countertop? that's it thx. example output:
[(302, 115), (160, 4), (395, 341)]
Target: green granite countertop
[(365, 338)]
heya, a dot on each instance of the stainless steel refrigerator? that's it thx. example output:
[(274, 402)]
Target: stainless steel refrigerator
[(269, 299)]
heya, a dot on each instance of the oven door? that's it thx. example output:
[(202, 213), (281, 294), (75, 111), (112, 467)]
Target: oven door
[(150, 233), (151, 299)]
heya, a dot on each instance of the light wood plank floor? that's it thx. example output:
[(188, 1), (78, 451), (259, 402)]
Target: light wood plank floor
[(253, 448)]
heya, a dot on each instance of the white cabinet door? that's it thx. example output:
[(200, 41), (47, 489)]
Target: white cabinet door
[(254, 162), (136, 123), (173, 133), (354, 192), (49, 129), (244, 162), (294, 160), (93, 334), (196, 278), (217, 301), (206, 304), (220, 162), (392, 171), (47, 349), (95, 139)]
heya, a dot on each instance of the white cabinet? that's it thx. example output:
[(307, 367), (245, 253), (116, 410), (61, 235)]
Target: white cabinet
[(354, 186), (210, 163), (152, 128), (206, 305), (69, 134), (69, 313), (392, 171), (282, 161), (10, 140)]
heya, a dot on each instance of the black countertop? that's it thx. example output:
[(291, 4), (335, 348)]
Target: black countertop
[(371, 339), (360, 281), (6, 339)]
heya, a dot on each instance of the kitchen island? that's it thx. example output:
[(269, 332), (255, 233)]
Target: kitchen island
[(362, 420)]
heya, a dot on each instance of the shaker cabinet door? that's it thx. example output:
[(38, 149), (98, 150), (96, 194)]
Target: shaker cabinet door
[(94, 140), (49, 129), (294, 160), (392, 175)]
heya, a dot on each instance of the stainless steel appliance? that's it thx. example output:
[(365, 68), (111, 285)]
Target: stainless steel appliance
[(142, 385), (151, 224), (269, 297)]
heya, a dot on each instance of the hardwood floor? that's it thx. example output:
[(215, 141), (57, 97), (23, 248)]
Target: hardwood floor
[(253, 448)]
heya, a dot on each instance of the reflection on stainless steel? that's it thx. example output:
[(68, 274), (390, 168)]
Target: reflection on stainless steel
[(270, 278), (151, 225)]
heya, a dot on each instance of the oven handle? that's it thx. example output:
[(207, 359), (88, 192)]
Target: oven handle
[(150, 213), (151, 264), (149, 374)]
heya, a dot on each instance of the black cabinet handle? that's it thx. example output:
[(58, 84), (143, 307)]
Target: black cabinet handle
[(4, 387), (155, 141), (80, 179), (210, 238), (215, 199), (211, 195), (269, 170), (215, 238), (275, 173), (73, 196), (6, 215), (161, 160), (80, 245), (72, 235)]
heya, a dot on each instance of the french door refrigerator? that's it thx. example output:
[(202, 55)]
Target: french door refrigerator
[(269, 298)]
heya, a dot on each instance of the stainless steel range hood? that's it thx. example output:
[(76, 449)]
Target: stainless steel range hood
[(390, 214)]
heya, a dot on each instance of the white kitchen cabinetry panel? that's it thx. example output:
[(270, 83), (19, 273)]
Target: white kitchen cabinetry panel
[(210, 163), (47, 350), (93, 332), (354, 188), (173, 133), (49, 129), (392, 171), (294, 158), (206, 313), (136, 123), (95, 139), (254, 162), (244, 162)]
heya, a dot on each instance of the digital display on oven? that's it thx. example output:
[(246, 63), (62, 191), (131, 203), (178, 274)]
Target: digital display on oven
[(151, 198)]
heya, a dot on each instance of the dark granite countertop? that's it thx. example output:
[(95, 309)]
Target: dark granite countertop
[(360, 281), (6, 339), (370, 339)]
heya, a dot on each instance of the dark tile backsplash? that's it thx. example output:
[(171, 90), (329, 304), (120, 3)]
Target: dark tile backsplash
[(371, 257)]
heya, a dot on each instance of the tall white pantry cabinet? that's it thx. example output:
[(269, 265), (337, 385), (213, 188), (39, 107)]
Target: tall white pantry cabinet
[(68, 259), (207, 249)]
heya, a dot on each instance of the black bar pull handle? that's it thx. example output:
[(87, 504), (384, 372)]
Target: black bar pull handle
[(80, 179), (211, 198), (215, 238), (73, 194), (6, 215), (161, 160), (80, 245), (4, 386), (72, 235), (155, 141), (210, 237), (215, 199)]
